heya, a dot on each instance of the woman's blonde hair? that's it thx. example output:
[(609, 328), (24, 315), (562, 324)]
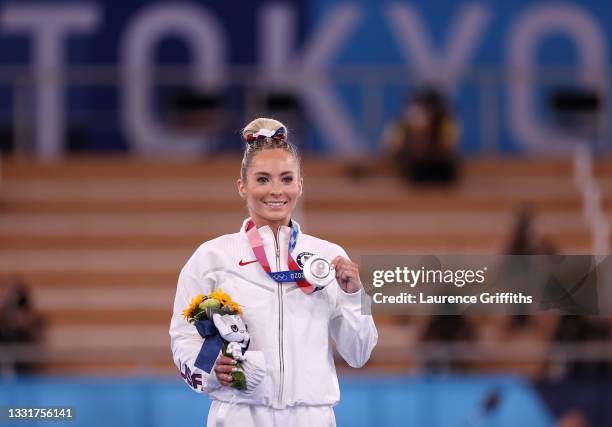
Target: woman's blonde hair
[(265, 134)]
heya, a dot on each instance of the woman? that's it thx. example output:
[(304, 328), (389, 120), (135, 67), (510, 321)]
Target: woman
[(291, 377)]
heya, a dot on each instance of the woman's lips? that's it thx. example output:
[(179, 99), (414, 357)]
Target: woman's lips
[(275, 204)]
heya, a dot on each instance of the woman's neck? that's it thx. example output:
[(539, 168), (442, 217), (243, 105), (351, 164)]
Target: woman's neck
[(274, 225)]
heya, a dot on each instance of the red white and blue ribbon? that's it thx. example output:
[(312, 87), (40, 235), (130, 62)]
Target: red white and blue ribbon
[(294, 274)]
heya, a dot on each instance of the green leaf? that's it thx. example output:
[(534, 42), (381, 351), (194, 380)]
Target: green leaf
[(199, 316), (239, 380)]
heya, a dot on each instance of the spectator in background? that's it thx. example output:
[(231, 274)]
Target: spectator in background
[(524, 240), (422, 142), (20, 323), (575, 293)]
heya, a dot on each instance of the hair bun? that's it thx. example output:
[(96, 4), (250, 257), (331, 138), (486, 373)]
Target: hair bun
[(263, 128)]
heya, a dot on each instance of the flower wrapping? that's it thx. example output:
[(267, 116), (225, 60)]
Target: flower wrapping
[(218, 320)]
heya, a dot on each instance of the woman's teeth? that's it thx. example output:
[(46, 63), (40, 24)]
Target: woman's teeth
[(275, 204)]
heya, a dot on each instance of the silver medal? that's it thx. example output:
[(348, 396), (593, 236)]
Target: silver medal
[(318, 271)]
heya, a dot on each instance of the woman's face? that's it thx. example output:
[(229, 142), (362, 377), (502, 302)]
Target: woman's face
[(272, 187)]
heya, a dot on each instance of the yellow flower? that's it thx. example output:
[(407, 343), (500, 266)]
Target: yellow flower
[(215, 294), (234, 306), (195, 302), (225, 299), (221, 296)]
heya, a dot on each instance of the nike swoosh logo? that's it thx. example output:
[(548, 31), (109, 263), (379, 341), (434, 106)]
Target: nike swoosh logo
[(242, 263)]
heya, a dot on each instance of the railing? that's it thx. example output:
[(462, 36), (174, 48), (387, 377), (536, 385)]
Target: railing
[(555, 355), (373, 82), (591, 200)]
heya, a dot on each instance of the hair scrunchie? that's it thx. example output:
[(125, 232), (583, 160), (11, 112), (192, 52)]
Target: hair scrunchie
[(278, 135)]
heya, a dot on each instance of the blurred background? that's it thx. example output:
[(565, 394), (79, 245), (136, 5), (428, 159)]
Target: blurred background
[(427, 127)]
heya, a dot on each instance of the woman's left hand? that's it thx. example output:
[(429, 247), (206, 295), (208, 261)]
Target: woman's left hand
[(347, 274)]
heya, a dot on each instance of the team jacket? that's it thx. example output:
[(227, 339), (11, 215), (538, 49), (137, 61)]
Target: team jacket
[(291, 331)]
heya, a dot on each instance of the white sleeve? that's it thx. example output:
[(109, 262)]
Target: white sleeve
[(354, 333), (185, 340)]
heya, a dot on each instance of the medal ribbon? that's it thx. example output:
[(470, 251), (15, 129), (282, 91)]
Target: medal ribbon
[(295, 274)]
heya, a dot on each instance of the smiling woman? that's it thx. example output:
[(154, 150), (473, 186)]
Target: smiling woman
[(270, 181), (291, 314)]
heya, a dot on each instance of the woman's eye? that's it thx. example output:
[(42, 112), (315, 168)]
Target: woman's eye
[(288, 179), (262, 179)]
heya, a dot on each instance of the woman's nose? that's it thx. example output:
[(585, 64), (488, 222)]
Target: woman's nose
[(276, 189)]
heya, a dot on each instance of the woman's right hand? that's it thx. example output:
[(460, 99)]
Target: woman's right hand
[(224, 368)]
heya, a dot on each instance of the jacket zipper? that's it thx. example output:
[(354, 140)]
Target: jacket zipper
[(280, 321)]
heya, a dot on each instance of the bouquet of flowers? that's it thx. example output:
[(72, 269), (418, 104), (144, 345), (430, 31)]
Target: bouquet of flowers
[(218, 319)]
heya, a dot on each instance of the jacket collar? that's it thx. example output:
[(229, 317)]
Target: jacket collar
[(266, 229)]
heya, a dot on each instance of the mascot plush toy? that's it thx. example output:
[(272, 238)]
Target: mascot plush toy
[(233, 330)]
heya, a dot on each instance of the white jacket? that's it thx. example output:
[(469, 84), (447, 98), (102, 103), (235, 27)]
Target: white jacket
[(290, 330)]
